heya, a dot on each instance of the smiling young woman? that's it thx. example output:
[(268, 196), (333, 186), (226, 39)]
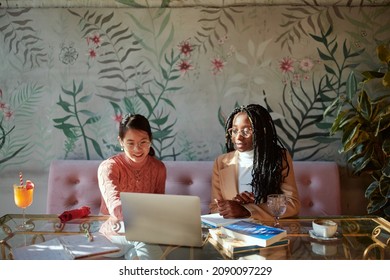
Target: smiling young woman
[(136, 169)]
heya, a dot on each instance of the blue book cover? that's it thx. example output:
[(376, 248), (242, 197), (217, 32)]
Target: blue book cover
[(253, 233)]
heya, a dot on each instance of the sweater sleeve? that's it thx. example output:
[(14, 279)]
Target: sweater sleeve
[(108, 178), (161, 179)]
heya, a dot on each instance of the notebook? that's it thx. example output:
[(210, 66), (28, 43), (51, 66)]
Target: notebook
[(162, 218)]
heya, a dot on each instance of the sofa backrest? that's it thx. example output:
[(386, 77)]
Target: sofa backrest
[(190, 178), (318, 184), (73, 183)]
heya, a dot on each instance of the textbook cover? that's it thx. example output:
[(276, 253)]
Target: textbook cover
[(253, 233)]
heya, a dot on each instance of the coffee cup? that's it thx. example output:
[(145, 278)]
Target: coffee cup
[(324, 227)]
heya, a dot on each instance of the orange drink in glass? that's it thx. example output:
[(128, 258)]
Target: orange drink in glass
[(23, 196)]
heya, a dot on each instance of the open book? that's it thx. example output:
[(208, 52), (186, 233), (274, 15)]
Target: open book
[(68, 247), (216, 220)]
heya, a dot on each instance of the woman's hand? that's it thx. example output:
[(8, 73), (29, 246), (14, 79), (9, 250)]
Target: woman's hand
[(245, 198), (232, 209)]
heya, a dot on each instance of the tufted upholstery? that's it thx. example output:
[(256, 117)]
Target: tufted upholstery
[(73, 183), (319, 187), (190, 178)]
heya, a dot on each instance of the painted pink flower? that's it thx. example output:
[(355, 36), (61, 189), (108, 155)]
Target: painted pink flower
[(118, 118), (8, 114), (217, 65), (185, 48), (185, 66), (306, 64), (286, 65), (95, 39), (92, 53), (297, 77), (3, 105)]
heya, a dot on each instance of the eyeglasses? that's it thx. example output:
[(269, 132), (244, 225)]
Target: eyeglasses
[(141, 145), (246, 132)]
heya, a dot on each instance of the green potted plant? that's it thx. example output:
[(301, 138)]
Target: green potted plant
[(363, 119)]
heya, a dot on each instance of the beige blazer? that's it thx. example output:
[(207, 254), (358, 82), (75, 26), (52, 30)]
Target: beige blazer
[(225, 186)]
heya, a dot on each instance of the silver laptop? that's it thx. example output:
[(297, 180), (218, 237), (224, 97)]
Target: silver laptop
[(162, 218)]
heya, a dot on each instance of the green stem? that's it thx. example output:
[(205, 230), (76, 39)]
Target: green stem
[(81, 127)]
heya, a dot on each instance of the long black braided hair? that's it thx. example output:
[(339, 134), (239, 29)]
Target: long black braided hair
[(269, 151)]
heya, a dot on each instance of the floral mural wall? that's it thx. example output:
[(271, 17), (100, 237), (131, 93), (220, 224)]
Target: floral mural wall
[(69, 74)]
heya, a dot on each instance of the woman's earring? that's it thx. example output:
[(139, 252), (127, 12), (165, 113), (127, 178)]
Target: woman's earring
[(121, 148)]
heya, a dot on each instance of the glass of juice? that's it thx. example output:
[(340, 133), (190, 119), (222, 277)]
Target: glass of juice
[(23, 195)]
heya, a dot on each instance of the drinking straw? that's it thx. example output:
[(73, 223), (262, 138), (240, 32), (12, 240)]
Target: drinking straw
[(21, 178)]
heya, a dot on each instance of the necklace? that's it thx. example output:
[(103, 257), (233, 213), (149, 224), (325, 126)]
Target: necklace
[(136, 168)]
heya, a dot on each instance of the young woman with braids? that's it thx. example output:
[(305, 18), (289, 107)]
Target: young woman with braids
[(256, 164), (133, 170)]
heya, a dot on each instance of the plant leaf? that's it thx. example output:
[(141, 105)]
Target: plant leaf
[(85, 98), (62, 120), (93, 120), (97, 148), (65, 105), (386, 147), (369, 75), (364, 105), (351, 86), (383, 53)]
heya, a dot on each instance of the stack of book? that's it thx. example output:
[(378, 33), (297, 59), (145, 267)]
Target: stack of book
[(245, 237)]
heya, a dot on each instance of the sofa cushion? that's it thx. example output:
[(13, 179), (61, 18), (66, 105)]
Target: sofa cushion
[(318, 184), (73, 184), (190, 178)]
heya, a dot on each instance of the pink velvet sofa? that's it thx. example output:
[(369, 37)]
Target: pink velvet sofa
[(73, 183)]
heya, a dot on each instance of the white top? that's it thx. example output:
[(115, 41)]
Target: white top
[(245, 166)]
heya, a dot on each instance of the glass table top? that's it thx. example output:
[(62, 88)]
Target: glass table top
[(360, 237)]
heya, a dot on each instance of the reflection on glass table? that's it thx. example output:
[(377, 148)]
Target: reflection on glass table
[(357, 238)]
